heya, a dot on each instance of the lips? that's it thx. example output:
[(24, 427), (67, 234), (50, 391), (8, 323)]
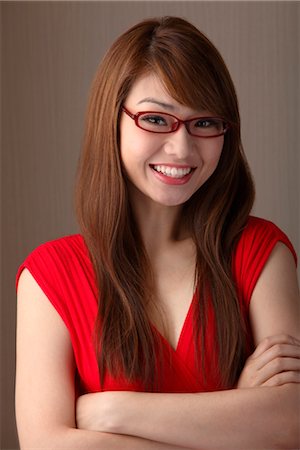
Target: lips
[(174, 175), (173, 172)]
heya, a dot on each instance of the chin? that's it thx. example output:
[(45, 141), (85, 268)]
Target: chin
[(170, 202)]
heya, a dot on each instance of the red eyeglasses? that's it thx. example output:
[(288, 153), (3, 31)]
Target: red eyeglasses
[(159, 122)]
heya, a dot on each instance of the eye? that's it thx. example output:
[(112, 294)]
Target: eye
[(154, 120), (207, 123)]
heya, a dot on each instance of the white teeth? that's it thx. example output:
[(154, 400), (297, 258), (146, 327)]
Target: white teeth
[(173, 172)]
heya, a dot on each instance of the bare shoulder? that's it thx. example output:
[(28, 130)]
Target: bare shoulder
[(275, 302), (45, 365), (34, 306)]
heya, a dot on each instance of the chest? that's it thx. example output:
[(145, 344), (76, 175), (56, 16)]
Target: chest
[(174, 290)]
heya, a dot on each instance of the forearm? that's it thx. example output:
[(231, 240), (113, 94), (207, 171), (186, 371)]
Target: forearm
[(260, 418), (75, 439), (262, 414)]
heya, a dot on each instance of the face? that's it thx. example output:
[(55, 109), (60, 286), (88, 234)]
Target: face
[(164, 168)]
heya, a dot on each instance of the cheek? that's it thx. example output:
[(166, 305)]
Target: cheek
[(127, 143), (136, 150), (128, 149), (213, 152), (133, 158), (216, 158), (129, 154)]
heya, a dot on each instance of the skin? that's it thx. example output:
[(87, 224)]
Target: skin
[(140, 149), (267, 393), (157, 205)]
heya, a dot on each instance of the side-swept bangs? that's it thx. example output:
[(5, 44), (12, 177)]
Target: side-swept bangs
[(193, 71), (186, 62), (195, 75)]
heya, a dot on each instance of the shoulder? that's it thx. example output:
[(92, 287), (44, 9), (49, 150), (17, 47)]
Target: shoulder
[(60, 252), (253, 250), (259, 237), (58, 263), (256, 225), (62, 269), (71, 243)]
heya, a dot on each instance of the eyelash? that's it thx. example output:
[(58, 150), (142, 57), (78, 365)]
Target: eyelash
[(153, 119), (207, 122)]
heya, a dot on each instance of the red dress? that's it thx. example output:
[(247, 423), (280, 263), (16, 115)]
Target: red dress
[(63, 270)]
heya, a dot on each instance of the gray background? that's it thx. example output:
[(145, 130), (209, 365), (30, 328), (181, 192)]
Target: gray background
[(50, 52)]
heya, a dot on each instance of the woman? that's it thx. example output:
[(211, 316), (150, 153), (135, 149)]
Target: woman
[(172, 320)]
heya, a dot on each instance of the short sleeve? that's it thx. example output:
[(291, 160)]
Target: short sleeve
[(63, 271), (252, 252)]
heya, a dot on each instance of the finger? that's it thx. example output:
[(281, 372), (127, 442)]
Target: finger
[(279, 365), (273, 353), (270, 341), (259, 376), (274, 367), (283, 378)]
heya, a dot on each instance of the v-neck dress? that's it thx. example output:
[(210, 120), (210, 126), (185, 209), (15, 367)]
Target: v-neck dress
[(64, 271)]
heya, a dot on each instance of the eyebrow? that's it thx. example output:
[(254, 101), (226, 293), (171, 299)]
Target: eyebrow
[(156, 102)]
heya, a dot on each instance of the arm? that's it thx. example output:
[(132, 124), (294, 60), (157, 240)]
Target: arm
[(45, 398), (246, 418)]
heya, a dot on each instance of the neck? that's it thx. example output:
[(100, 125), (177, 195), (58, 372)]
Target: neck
[(159, 225)]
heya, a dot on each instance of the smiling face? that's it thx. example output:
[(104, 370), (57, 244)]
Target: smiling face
[(165, 168)]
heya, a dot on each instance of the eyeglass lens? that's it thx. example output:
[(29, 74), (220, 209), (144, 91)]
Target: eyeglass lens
[(165, 123)]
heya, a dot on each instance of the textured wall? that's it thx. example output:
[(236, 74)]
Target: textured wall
[(50, 51)]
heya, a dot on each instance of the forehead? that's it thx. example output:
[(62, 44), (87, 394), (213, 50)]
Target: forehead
[(147, 88), (148, 93)]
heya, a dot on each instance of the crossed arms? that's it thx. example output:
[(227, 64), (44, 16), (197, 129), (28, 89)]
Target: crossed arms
[(261, 413)]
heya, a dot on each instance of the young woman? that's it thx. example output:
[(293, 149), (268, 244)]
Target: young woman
[(172, 320)]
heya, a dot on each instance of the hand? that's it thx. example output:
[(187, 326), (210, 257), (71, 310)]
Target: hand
[(276, 361), (85, 412), (101, 411), (92, 410)]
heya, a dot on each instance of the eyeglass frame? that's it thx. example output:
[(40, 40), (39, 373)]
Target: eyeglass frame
[(178, 123)]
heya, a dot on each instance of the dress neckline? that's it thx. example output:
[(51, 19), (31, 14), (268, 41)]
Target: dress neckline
[(186, 326)]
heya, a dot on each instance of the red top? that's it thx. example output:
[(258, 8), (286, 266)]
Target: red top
[(63, 270)]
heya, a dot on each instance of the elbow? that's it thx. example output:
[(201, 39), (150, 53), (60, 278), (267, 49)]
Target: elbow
[(287, 424), (37, 439), (295, 436), (293, 432), (289, 438)]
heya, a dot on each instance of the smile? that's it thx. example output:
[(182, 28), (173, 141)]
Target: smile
[(172, 172)]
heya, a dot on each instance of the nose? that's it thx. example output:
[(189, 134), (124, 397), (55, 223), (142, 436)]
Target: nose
[(180, 143)]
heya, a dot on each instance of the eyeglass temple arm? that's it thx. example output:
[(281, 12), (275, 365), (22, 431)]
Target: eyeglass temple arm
[(128, 113)]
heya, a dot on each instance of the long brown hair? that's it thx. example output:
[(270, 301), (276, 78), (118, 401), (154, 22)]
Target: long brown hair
[(194, 74)]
